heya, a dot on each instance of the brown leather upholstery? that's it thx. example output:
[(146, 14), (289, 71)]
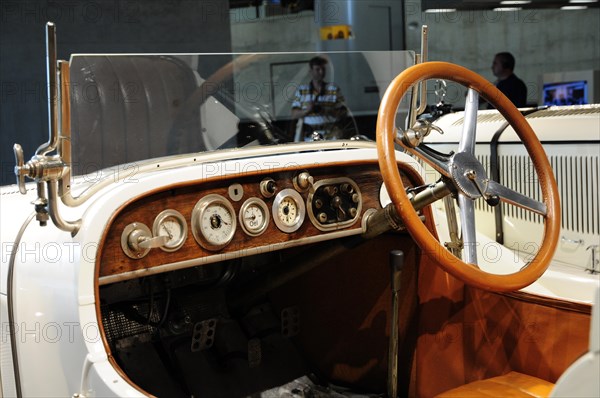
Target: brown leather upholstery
[(466, 335), (513, 384)]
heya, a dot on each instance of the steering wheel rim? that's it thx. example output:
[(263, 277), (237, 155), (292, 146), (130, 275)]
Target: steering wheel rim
[(386, 133)]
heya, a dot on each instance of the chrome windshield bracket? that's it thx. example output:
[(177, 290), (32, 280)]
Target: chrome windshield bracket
[(420, 89), (414, 136), (44, 167)]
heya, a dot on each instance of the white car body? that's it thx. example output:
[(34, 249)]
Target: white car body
[(57, 333), (572, 143)]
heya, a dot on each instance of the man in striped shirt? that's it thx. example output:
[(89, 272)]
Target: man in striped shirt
[(319, 104)]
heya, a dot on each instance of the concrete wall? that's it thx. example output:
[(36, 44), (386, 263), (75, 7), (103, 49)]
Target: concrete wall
[(542, 41), (285, 33), (376, 25)]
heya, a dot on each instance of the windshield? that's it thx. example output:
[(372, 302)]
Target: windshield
[(126, 108)]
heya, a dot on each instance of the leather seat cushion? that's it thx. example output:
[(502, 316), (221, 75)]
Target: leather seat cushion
[(513, 384)]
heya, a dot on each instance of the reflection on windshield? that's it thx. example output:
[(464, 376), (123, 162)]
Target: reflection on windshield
[(126, 108), (319, 107)]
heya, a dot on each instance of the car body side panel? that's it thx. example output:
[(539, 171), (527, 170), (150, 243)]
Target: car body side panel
[(7, 381)]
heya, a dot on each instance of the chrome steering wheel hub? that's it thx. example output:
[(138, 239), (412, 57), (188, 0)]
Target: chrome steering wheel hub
[(469, 175)]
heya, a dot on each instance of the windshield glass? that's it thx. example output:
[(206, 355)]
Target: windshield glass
[(127, 108)]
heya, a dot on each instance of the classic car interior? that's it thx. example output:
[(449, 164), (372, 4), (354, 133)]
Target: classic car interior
[(277, 284), (320, 308), (302, 269), (217, 318)]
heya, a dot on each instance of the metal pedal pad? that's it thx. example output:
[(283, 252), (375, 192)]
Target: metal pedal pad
[(203, 336), (254, 353), (290, 321)]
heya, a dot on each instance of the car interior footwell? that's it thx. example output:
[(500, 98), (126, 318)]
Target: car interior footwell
[(177, 334)]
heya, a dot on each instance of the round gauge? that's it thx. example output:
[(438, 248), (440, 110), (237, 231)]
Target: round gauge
[(213, 222), (171, 223), (288, 210), (254, 216)]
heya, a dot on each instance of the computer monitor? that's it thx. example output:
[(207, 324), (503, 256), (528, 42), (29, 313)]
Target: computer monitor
[(566, 93), (570, 87)]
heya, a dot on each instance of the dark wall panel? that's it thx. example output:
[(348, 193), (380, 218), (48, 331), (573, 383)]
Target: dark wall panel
[(89, 26)]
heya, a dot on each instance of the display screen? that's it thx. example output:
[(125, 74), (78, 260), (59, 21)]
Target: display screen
[(566, 93)]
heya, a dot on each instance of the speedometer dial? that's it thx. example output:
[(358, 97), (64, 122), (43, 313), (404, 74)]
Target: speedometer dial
[(288, 210), (213, 222)]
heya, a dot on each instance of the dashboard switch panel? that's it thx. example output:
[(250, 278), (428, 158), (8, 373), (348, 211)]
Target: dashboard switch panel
[(334, 203)]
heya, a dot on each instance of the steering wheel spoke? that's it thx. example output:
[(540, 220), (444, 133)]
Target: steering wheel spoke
[(515, 198), (439, 161), (466, 208), (467, 142)]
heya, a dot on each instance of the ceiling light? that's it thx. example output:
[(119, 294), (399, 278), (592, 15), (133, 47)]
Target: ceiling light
[(514, 2), (441, 10), (582, 1), (508, 9), (568, 8)]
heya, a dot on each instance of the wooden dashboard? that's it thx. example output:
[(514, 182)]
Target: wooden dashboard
[(334, 199)]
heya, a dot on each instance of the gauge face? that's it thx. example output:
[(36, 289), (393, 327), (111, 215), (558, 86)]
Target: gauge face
[(213, 222), (172, 224), (288, 210), (254, 216)]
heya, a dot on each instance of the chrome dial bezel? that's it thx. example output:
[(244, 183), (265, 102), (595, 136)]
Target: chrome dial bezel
[(200, 234), (171, 245), (300, 210), (133, 251), (262, 207)]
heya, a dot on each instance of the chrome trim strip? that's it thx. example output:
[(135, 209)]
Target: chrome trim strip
[(105, 280), (116, 174)]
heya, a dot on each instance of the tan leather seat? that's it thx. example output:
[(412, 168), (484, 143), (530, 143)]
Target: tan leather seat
[(513, 384)]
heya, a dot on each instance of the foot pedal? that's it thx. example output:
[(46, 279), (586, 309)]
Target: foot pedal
[(203, 336), (290, 321), (254, 353)]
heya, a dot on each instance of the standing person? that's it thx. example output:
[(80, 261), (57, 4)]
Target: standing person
[(507, 81), (318, 104)]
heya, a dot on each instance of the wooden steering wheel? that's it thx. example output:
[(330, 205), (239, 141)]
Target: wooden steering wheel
[(466, 176)]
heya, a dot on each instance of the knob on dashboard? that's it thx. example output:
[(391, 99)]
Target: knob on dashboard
[(132, 239), (268, 187), (303, 181)]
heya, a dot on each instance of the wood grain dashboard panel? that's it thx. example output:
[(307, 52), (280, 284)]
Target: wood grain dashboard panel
[(113, 265)]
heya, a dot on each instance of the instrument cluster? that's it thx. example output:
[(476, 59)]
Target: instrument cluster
[(331, 204), (226, 218)]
